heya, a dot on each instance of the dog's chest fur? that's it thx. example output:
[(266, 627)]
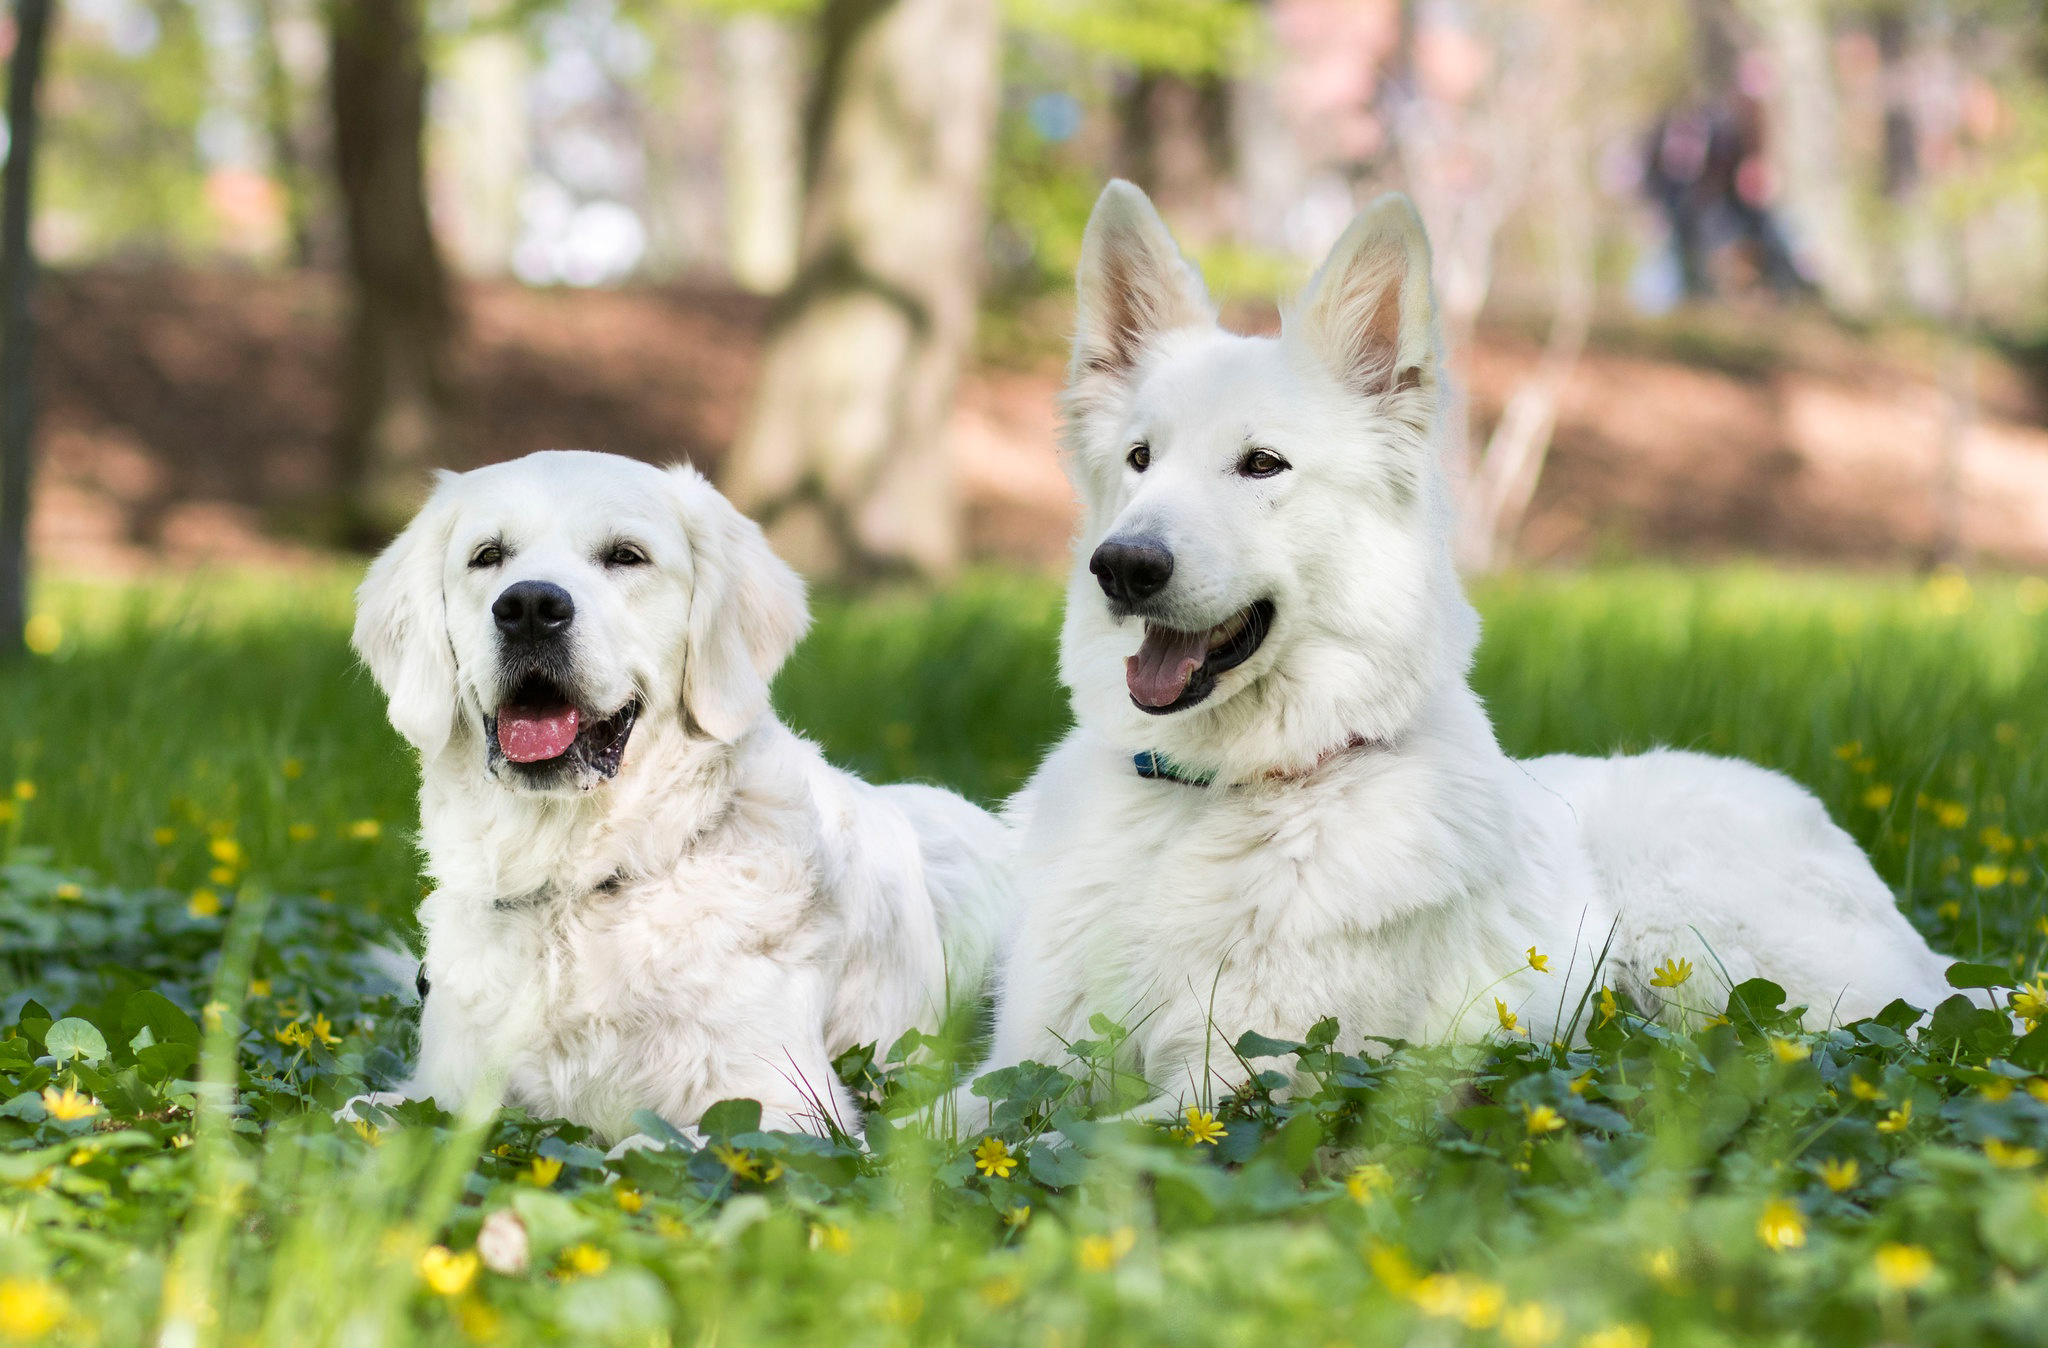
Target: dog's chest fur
[(1388, 889), (608, 991)]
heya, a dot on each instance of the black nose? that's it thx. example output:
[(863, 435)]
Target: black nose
[(533, 610), (1132, 569)]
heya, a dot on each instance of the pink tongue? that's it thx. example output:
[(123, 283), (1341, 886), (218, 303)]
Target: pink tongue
[(1160, 671), (534, 734)]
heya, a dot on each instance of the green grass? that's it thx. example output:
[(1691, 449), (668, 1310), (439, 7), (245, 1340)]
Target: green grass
[(209, 809)]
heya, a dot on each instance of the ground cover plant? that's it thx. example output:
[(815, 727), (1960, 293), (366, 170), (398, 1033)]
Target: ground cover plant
[(205, 833)]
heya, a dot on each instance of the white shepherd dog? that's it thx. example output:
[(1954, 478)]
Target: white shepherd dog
[(649, 893), (1282, 800)]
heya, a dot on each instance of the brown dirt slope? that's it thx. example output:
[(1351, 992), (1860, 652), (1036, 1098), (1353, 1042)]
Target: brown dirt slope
[(185, 415)]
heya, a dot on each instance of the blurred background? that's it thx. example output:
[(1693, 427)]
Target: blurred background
[(1718, 277)]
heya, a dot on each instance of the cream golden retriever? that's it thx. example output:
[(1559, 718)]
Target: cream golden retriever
[(649, 893)]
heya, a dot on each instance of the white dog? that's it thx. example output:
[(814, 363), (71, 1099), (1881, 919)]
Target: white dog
[(1282, 801), (650, 894)]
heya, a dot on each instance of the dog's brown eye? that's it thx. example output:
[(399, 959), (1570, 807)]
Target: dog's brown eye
[(1140, 457), (490, 554), (625, 554), (1261, 463)]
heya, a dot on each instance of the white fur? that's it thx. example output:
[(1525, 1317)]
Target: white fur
[(767, 911), (1398, 885)]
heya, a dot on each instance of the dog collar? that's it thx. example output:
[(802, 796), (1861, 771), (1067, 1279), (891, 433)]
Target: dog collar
[(1155, 766)]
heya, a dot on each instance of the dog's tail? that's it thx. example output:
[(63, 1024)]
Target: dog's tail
[(968, 870)]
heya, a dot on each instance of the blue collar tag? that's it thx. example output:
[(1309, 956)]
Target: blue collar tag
[(1155, 766)]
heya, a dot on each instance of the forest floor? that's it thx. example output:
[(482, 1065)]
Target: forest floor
[(186, 415)]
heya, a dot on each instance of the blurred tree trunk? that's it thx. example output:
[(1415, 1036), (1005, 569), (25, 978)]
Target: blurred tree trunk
[(281, 125), (1176, 147), (398, 387), (844, 458), (1811, 159), (764, 150), (17, 318), (483, 86)]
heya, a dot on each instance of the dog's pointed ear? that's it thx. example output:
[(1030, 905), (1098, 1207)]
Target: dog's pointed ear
[(1133, 284), (401, 629), (747, 611), (1369, 313)]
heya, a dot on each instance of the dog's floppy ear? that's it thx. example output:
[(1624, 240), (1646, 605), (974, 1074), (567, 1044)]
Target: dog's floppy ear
[(1369, 313), (401, 628), (1132, 285), (747, 611)]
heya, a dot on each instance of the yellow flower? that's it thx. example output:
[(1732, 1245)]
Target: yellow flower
[(830, 1237), (368, 1131), (69, 890), (1530, 1325), (2030, 1003), (1790, 1050), (1985, 875), (323, 1030), (1997, 1092), (1510, 1023), (222, 875), (212, 1012), (294, 1035), (993, 1158), (1897, 1120), (1017, 1216), (24, 790), (1864, 1090), (1853, 749), (1368, 1180), (68, 1106), (586, 1259), (1000, 1291), (365, 829), (1950, 911), (1902, 1268), (2038, 1088), (477, 1321), (1542, 1119), (181, 1140), (1951, 814), (1202, 1127), (1580, 1082), (1099, 1254), (165, 836), (1781, 1227), (1540, 963), (1473, 1302), (1663, 1265), (449, 1274), (1996, 839), (1839, 1174), (293, 769), (544, 1171), (301, 832), (740, 1163), (2007, 1156), (630, 1199), (30, 1307), (1877, 795), (1617, 1336), (1609, 1005), (42, 634), (1391, 1267), (226, 851), (1671, 973), (203, 903)]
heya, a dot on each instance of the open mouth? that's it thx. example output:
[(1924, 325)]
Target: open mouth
[(1173, 670), (541, 732)]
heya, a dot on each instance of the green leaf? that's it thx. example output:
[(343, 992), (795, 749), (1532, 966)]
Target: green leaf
[(730, 1117), (74, 1038), (1252, 1044), (161, 1016), (1978, 976)]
